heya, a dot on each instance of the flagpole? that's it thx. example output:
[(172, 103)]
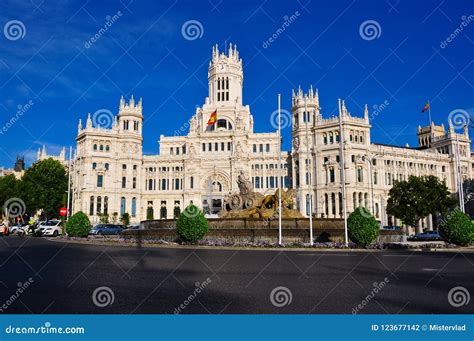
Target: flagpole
[(308, 173), (279, 173), (429, 111), (343, 178), (69, 183)]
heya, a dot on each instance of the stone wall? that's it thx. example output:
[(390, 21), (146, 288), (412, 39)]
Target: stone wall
[(253, 230)]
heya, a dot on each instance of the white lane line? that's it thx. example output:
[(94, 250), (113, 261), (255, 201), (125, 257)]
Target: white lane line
[(326, 254)]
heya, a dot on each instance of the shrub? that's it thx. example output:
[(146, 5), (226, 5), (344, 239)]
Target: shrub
[(125, 219), (104, 218), (457, 228), (78, 225), (362, 227), (191, 225)]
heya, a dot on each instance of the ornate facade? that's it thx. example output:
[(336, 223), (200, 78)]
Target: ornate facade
[(370, 168), (111, 174)]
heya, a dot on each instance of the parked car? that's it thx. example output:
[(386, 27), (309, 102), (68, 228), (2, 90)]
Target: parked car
[(392, 228), (133, 227), (426, 236), (51, 228), (16, 228), (107, 229)]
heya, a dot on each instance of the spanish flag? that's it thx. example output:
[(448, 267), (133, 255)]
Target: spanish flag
[(212, 119), (426, 107)]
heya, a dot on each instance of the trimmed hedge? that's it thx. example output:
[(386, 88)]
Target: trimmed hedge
[(362, 227), (191, 225), (457, 228), (78, 225)]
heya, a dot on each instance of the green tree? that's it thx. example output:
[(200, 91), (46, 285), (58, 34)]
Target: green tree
[(457, 228), (104, 218), (419, 197), (362, 227), (9, 187), (125, 219), (43, 187), (78, 225), (191, 225)]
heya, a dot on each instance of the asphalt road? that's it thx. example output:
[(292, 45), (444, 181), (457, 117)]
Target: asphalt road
[(159, 280)]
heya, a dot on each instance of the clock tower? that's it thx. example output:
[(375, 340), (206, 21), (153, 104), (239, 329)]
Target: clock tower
[(225, 78)]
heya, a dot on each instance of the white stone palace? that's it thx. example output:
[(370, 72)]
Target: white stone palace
[(111, 174)]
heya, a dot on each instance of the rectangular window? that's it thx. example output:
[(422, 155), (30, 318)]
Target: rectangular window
[(228, 146), (254, 148), (124, 182), (124, 166), (261, 148), (209, 147), (203, 147), (100, 180), (134, 183), (267, 147)]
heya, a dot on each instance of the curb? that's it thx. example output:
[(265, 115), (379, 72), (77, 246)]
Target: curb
[(241, 248)]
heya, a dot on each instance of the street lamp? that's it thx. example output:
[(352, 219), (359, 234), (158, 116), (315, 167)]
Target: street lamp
[(370, 160)]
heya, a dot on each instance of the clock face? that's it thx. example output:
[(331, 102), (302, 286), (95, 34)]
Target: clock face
[(222, 67)]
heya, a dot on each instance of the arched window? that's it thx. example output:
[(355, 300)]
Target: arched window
[(123, 206), (176, 212), (326, 204), (106, 205), (331, 138), (95, 146), (163, 212), (191, 182), (91, 205), (325, 139), (99, 204), (333, 203), (134, 207)]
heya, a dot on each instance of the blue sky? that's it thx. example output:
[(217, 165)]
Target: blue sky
[(144, 53)]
